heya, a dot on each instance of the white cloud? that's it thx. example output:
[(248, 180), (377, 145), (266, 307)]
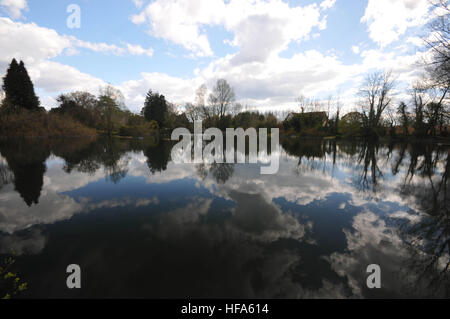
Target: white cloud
[(55, 77), (97, 47), (21, 40), (29, 42), (278, 81), (175, 89), (327, 4), (14, 8), (387, 20), (260, 28), (36, 46), (275, 83), (138, 50), (138, 3), (179, 22)]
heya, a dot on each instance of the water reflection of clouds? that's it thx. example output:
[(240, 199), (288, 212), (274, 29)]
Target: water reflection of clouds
[(372, 241), (15, 215), (29, 243), (254, 221), (301, 188), (54, 205), (235, 250)]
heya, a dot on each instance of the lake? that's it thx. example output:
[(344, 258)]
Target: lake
[(139, 225)]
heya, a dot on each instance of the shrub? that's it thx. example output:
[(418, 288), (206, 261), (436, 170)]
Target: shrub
[(147, 129), (25, 123)]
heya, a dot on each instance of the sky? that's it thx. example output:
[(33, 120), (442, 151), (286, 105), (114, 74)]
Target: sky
[(270, 51)]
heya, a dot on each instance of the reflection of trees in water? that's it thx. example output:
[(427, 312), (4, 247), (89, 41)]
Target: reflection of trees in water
[(26, 159), (220, 172), (371, 173), (424, 171), (430, 237), (323, 156), (80, 155), (6, 175), (312, 155), (158, 156), (109, 153), (114, 162)]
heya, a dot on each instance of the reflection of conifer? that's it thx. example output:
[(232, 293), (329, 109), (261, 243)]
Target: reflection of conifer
[(29, 181), (26, 159), (158, 157)]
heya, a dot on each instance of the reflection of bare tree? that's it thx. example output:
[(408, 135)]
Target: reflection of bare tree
[(221, 172), (115, 164), (430, 237), (117, 170), (399, 159), (202, 171), (6, 175), (423, 171), (371, 173)]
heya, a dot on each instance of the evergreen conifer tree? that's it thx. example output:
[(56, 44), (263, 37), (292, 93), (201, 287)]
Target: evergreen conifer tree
[(18, 88)]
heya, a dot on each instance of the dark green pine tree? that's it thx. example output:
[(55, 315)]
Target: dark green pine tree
[(155, 108), (18, 88)]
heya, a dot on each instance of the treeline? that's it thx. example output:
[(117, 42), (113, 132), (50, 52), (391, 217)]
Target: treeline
[(426, 114), (376, 114), (21, 114), (84, 114)]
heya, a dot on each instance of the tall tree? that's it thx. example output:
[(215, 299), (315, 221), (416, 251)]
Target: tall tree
[(111, 106), (18, 88), (222, 98), (419, 103), (404, 118), (437, 79), (155, 108), (376, 94), (438, 40)]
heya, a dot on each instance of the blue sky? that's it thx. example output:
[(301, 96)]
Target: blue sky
[(271, 51)]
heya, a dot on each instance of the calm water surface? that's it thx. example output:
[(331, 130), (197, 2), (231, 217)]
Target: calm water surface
[(141, 226)]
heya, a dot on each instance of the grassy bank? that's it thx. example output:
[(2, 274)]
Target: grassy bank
[(41, 124)]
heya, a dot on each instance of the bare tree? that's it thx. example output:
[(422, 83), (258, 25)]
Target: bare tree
[(403, 117), (236, 109), (110, 100), (308, 104), (222, 98), (194, 112), (338, 107), (114, 94), (376, 96), (438, 40)]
